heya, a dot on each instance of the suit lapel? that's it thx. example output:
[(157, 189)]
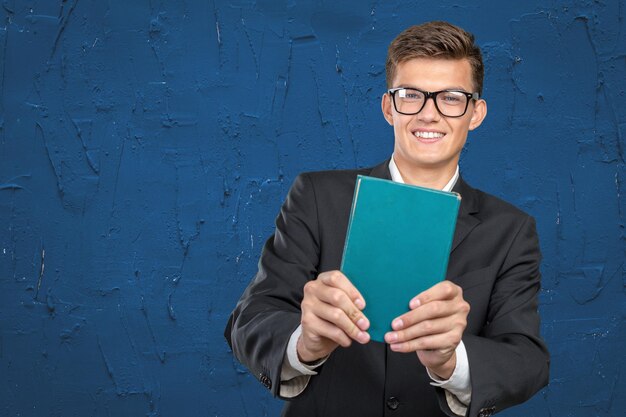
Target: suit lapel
[(466, 220), (381, 171)]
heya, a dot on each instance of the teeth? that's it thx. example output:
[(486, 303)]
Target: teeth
[(428, 135)]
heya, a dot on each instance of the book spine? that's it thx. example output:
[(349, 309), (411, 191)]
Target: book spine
[(352, 210)]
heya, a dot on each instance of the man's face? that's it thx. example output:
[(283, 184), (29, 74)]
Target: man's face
[(428, 141)]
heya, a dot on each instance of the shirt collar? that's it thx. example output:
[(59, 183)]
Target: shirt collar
[(397, 177)]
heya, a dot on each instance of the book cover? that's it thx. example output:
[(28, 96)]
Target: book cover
[(398, 244)]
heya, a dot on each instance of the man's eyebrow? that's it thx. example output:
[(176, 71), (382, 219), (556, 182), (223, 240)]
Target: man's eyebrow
[(408, 86), (451, 88)]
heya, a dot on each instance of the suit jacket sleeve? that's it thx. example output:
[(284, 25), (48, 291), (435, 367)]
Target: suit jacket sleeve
[(268, 312), (509, 361)]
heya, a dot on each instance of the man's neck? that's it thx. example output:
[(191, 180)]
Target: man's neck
[(427, 178)]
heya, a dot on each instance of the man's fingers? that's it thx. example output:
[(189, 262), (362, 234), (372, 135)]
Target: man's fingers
[(331, 309), (327, 330), (335, 307), (337, 317), (448, 325), (445, 290), (443, 343), (421, 329), (436, 323), (338, 280), (430, 311), (339, 299)]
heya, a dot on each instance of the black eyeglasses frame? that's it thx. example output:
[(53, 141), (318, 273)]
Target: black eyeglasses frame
[(432, 94)]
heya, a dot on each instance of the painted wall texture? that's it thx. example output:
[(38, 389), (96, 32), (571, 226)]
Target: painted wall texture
[(146, 146)]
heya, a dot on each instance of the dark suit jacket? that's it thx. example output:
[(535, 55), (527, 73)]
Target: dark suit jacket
[(494, 258)]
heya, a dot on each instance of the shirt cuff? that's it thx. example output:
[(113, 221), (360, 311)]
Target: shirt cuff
[(458, 387), (295, 375)]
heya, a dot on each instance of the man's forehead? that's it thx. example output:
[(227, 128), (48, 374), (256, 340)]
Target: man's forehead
[(434, 73)]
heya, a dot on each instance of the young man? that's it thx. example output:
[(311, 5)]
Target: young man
[(469, 345)]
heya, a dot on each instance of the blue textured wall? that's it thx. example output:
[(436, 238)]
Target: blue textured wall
[(145, 148)]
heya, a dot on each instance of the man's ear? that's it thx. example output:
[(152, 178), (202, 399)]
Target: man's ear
[(386, 106), (478, 114)]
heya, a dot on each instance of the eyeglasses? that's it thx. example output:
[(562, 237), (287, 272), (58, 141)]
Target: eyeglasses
[(450, 103)]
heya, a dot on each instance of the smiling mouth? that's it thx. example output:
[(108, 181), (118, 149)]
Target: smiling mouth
[(428, 135)]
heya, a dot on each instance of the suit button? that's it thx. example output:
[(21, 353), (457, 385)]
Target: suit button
[(392, 403), (266, 381), (486, 412)]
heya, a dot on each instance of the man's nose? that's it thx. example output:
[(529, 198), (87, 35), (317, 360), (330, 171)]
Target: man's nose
[(429, 112)]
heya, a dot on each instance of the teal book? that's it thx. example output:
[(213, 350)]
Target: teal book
[(398, 244)]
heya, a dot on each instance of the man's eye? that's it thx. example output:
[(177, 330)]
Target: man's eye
[(412, 95), (451, 98)]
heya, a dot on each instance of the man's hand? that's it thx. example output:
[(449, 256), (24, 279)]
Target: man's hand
[(433, 328), (331, 316)]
